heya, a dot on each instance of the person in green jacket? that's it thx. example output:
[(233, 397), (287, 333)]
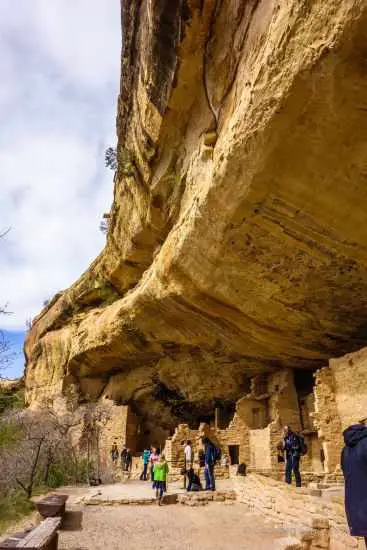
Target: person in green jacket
[(160, 477)]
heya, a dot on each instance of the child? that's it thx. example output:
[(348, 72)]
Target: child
[(160, 478), (154, 457)]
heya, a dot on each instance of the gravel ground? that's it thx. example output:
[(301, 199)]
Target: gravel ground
[(216, 526)]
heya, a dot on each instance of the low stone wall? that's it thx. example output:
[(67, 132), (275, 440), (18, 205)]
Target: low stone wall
[(205, 497), (298, 510)]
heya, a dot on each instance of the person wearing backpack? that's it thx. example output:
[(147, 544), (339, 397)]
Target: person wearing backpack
[(210, 457), (294, 447)]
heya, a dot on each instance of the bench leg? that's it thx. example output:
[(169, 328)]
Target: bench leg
[(54, 543)]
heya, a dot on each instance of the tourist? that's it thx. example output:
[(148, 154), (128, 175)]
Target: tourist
[(292, 447), (209, 458), (127, 461), (145, 457), (188, 452), (154, 457), (122, 457), (354, 466), (114, 453), (225, 462), (188, 459), (194, 483), (160, 477)]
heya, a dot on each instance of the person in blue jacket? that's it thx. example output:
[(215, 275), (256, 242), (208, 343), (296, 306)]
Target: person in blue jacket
[(209, 457), (292, 448), (145, 457), (354, 466)]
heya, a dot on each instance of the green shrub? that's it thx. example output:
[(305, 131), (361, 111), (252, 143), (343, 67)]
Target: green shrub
[(10, 399), (9, 436), (13, 507), (67, 472)]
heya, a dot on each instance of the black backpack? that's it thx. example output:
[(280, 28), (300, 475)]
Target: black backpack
[(302, 445)]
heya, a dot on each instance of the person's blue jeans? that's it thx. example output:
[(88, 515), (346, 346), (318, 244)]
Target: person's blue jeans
[(144, 472), (190, 478), (292, 465), (161, 487), (209, 477)]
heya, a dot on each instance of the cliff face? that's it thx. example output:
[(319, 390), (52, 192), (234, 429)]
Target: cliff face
[(237, 239)]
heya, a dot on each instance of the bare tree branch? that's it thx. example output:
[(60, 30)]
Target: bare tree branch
[(5, 232)]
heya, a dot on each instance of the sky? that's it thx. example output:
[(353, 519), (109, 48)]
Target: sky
[(60, 70)]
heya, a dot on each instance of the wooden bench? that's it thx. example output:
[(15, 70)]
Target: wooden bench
[(52, 505), (44, 536)]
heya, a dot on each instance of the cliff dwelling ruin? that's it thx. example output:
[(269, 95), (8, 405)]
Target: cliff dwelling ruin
[(231, 296)]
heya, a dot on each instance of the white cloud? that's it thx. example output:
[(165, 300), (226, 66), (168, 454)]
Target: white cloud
[(60, 63)]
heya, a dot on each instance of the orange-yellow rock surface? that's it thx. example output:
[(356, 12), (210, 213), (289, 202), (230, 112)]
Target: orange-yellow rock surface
[(237, 239)]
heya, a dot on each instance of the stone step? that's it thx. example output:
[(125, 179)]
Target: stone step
[(289, 543), (202, 498)]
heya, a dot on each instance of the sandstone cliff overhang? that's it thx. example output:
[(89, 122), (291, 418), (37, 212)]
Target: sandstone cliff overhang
[(237, 238)]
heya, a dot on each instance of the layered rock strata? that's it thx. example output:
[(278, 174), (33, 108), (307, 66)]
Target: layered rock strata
[(237, 239)]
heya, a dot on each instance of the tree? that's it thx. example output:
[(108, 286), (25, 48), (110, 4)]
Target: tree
[(110, 158), (40, 448), (32, 444), (5, 351), (21, 461), (5, 232)]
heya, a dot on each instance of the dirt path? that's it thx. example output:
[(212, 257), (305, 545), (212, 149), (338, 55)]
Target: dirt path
[(215, 526)]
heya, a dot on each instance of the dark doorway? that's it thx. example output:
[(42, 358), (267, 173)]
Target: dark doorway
[(304, 382), (234, 453), (224, 414)]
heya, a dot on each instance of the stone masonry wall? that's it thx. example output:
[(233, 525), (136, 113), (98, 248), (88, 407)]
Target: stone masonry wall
[(119, 427), (316, 520), (350, 382), (260, 449), (237, 433), (174, 448), (327, 419), (284, 406), (340, 400), (274, 399)]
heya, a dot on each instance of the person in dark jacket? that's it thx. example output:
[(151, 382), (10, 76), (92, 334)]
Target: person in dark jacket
[(127, 461), (209, 454), (292, 448), (354, 466), (194, 483), (123, 457), (114, 453)]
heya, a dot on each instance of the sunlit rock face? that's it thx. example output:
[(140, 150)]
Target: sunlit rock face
[(237, 240)]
